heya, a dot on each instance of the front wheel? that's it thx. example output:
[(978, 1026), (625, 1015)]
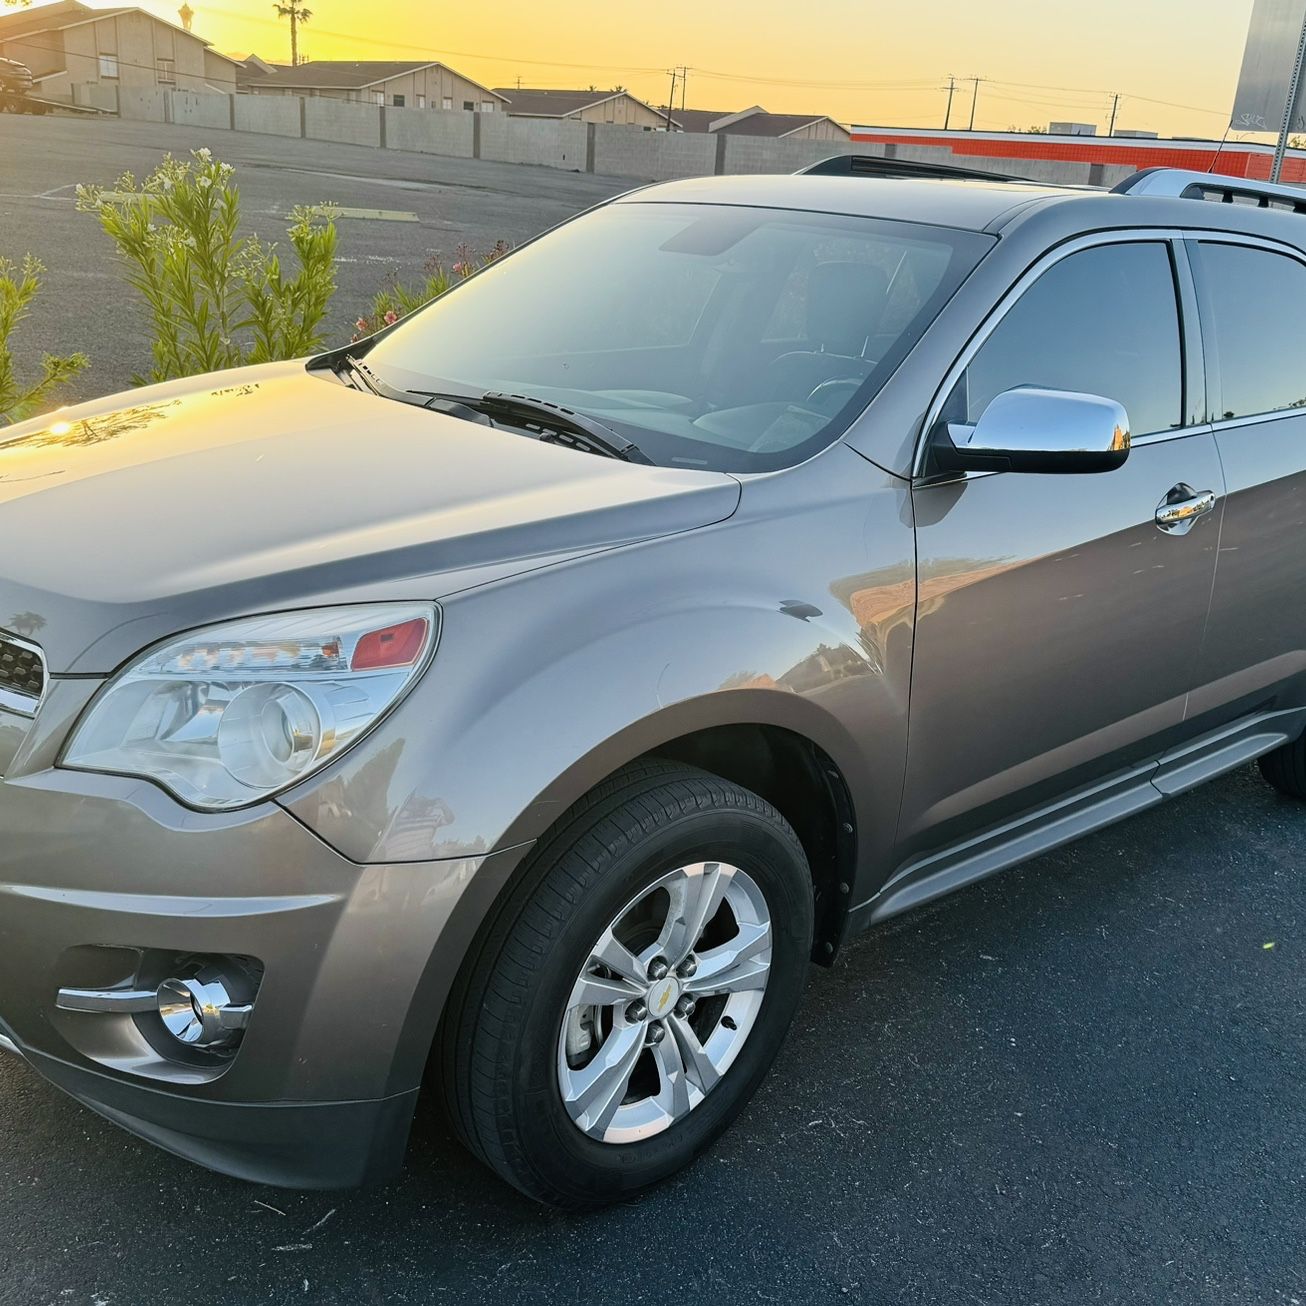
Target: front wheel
[(633, 993)]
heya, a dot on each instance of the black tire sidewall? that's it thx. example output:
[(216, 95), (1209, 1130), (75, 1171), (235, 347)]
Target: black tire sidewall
[(568, 1160)]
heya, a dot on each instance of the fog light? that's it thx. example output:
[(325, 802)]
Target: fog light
[(201, 1014)]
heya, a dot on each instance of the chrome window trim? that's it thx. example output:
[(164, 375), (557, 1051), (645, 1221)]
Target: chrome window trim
[(1268, 246), (1120, 236), (25, 705)]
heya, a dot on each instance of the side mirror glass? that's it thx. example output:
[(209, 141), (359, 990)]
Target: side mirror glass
[(1034, 430)]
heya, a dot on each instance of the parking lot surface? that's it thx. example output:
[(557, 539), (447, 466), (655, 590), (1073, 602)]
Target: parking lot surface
[(86, 304), (1079, 1082)]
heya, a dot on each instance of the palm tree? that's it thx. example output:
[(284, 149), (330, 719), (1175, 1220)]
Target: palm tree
[(297, 14)]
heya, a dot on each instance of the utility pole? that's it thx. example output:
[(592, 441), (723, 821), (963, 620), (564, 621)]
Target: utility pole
[(974, 100), (671, 99), (1293, 87), (684, 83), (1115, 105), (947, 116)]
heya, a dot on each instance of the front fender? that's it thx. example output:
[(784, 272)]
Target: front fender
[(795, 613)]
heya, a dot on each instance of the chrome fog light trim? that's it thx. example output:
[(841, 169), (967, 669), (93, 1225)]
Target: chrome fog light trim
[(200, 1014)]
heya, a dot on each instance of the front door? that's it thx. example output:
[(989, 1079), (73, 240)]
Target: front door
[(1059, 622)]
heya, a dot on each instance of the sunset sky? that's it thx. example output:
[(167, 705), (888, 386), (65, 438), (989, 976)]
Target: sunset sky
[(859, 62)]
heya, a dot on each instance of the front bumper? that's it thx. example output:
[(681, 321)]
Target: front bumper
[(356, 962)]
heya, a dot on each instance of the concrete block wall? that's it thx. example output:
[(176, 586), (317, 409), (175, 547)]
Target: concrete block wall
[(431, 131), (605, 148), (147, 104), (553, 142), (190, 109), (273, 115), (339, 120), (656, 156), (764, 154)]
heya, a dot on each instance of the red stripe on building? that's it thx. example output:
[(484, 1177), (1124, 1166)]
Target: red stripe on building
[(1239, 160)]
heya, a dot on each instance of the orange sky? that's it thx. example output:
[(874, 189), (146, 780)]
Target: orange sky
[(860, 62)]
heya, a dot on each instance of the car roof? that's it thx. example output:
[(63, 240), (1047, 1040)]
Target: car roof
[(967, 205), (976, 205)]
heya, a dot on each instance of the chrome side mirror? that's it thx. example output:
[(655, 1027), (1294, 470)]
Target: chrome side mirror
[(1034, 430)]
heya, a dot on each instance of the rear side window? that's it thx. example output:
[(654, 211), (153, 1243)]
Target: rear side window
[(1257, 301), (1104, 322)]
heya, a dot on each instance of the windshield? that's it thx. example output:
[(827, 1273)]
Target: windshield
[(726, 338)]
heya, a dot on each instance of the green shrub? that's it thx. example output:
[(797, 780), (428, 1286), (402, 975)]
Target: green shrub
[(395, 300), (19, 286), (216, 298)]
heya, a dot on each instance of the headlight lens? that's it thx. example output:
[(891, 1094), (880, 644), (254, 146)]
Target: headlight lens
[(232, 714)]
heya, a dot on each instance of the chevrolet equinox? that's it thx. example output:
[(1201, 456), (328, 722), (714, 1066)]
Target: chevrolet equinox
[(517, 701)]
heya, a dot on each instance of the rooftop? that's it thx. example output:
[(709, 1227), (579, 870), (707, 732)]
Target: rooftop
[(350, 74), (541, 102)]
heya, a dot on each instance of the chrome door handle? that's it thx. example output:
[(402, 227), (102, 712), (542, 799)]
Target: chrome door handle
[(1177, 512)]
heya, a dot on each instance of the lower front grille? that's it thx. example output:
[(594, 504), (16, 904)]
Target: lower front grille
[(22, 674)]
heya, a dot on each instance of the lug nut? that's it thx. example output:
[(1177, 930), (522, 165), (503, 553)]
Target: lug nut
[(657, 969), (685, 1007), (636, 1012), (656, 1033), (687, 967)]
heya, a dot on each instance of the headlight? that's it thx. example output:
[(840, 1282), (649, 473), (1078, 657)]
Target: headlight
[(231, 714)]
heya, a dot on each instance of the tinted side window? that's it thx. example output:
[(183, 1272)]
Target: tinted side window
[(1258, 301), (1105, 322)]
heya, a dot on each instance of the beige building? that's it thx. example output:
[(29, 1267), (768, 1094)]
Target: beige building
[(68, 44), (757, 122), (585, 106), (402, 84)]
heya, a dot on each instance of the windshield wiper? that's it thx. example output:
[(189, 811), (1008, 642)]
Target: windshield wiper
[(554, 421), (357, 374)]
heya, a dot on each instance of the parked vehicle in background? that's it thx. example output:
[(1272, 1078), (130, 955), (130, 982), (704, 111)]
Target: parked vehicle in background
[(517, 700), (16, 89)]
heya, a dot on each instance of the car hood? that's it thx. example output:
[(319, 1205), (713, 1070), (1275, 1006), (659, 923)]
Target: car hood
[(125, 520)]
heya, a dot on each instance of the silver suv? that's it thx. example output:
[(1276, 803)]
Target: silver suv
[(517, 701)]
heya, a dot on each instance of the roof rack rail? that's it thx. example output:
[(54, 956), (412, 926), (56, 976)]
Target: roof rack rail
[(1178, 183), (872, 165)]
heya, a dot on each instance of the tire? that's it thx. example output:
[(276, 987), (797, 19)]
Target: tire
[(514, 1033), (1285, 768)]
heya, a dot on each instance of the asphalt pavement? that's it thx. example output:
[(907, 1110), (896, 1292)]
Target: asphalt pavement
[(86, 305), (1080, 1082)]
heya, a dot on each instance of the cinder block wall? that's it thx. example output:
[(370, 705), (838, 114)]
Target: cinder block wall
[(190, 109), (632, 152), (273, 115), (339, 120), (553, 142), (761, 154), (431, 131), (610, 149)]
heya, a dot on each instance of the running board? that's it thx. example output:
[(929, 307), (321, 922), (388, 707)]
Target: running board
[(1181, 769), (1031, 835)]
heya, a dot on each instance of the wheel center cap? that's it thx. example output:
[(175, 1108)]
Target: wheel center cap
[(662, 997)]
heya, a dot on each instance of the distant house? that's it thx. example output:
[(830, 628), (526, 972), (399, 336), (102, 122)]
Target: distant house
[(757, 122), (69, 44), (584, 106), (403, 84)]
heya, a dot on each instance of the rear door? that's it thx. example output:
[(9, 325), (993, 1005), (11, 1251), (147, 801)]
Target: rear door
[(1253, 299), (1058, 624)]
